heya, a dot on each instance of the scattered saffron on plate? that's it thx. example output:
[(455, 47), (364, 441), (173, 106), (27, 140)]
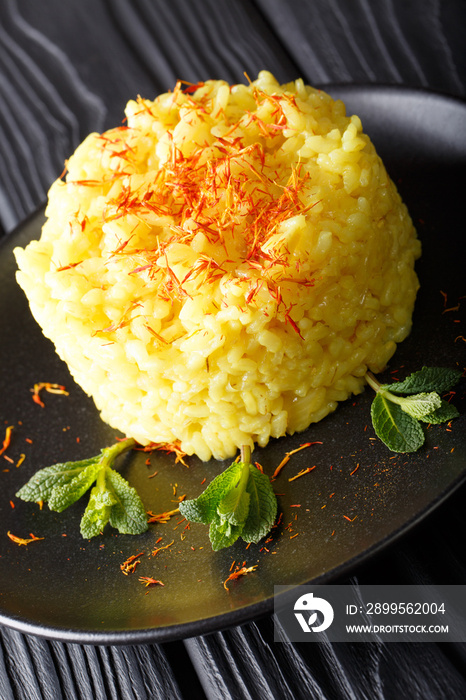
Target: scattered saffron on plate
[(22, 541), (156, 550), (287, 456), (47, 386), (7, 439), (149, 581), (130, 564), (240, 570), (302, 473), (161, 517)]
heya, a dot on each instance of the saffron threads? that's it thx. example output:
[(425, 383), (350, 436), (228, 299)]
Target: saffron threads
[(159, 549), (172, 448), (162, 517), (22, 541), (240, 570), (130, 564), (7, 439), (213, 197), (47, 386), (302, 473), (149, 581), (287, 456)]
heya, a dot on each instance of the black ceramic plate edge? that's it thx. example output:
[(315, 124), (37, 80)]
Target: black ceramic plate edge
[(242, 615)]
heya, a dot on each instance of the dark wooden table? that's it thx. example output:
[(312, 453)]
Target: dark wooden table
[(68, 68)]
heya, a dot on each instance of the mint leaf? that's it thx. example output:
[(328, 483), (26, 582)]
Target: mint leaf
[(111, 500), (128, 514), (41, 484), (239, 502), (234, 506), (204, 508), (223, 535), (417, 405), (64, 495), (262, 506), (398, 430), (437, 379), (97, 513), (444, 413), (396, 418)]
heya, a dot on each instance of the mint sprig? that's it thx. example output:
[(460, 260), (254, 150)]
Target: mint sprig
[(397, 419), (112, 500), (239, 502)]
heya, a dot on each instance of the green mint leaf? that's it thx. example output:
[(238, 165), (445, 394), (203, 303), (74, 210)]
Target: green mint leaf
[(240, 502), (419, 405), (203, 509), (234, 506), (111, 500), (396, 418), (128, 514), (223, 535), (262, 507), (398, 430), (97, 513), (427, 379), (66, 494), (40, 485), (445, 412)]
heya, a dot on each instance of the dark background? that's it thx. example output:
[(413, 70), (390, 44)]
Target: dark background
[(67, 68)]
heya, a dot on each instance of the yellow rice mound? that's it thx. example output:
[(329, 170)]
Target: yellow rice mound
[(226, 266)]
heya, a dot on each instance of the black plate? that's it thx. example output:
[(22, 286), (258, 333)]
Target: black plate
[(70, 589)]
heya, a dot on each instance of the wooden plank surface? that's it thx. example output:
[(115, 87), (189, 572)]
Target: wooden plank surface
[(68, 68)]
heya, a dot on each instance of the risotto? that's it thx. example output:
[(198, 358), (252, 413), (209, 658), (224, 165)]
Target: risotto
[(226, 266)]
